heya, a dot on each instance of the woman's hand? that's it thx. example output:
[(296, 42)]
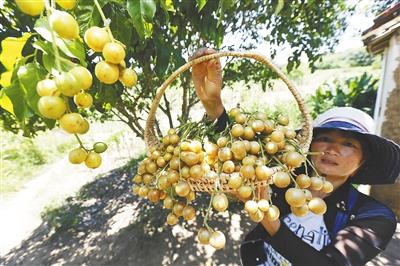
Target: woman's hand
[(207, 79)]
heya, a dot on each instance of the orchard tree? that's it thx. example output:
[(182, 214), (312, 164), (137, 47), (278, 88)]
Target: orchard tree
[(46, 42)]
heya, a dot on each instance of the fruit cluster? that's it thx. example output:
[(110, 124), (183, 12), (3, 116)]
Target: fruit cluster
[(113, 68), (56, 88), (251, 156)]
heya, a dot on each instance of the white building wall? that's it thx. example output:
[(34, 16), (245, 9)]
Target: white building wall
[(391, 60)]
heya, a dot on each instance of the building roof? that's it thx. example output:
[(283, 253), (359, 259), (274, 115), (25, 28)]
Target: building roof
[(376, 38)]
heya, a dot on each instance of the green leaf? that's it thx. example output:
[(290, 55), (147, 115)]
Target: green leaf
[(29, 75), (87, 15), (201, 4), (141, 11), (167, 6), (49, 59), (163, 53), (16, 95)]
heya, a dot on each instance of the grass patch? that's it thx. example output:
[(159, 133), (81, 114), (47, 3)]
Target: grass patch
[(22, 158)]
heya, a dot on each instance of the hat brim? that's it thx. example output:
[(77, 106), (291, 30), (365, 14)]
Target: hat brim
[(383, 163)]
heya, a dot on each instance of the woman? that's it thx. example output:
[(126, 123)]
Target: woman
[(355, 227)]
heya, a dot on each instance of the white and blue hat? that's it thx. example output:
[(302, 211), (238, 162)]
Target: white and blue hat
[(382, 165)]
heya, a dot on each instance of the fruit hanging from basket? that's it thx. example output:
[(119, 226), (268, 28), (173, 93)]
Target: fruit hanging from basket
[(254, 154)]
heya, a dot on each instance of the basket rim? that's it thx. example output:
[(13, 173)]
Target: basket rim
[(305, 132)]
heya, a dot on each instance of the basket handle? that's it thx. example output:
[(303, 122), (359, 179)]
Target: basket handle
[(305, 133)]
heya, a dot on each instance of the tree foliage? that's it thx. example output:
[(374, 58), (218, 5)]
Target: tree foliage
[(358, 92), (159, 36)]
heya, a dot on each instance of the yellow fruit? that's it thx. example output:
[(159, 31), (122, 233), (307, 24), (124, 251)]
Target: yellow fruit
[(113, 52), (68, 84), (83, 76), (31, 7), (327, 187), (71, 122), (84, 127), (96, 38), (316, 183), (178, 208), (83, 100), (106, 72), (188, 213), (64, 24), (235, 181), (204, 235), (272, 213), (217, 240), (66, 4), (52, 107), (300, 211), (172, 219), (154, 195), (304, 181), (295, 197), (263, 205), (245, 191), (47, 87), (93, 160), (128, 77), (143, 191), (317, 206), (220, 202), (281, 179), (182, 189), (257, 216), (251, 206), (77, 156), (168, 203)]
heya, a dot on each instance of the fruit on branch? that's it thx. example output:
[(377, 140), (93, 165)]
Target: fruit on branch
[(31, 7), (113, 52), (128, 77), (317, 206), (68, 84), (96, 38), (52, 107), (217, 240), (66, 4), (106, 72), (204, 235), (93, 160), (83, 100), (77, 156), (71, 122), (64, 24), (83, 76), (47, 87), (100, 147)]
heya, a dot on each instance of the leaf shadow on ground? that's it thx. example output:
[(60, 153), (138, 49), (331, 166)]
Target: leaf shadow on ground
[(105, 224)]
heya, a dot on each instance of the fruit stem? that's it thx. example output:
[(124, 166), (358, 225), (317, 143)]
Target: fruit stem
[(80, 142), (312, 166), (208, 212), (105, 20), (53, 36)]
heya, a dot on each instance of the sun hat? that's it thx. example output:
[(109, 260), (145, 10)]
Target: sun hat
[(382, 165)]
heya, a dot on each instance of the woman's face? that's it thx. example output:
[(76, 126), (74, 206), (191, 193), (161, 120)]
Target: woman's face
[(342, 153)]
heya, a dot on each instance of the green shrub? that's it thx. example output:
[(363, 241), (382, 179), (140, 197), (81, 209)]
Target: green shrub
[(358, 92)]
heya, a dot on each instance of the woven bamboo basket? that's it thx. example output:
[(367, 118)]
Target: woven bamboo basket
[(221, 184)]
